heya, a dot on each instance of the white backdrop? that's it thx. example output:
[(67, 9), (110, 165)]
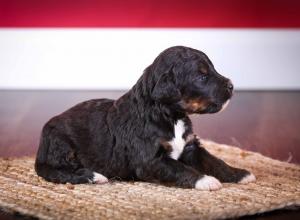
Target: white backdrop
[(115, 58)]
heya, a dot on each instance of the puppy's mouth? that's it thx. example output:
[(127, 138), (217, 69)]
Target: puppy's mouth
[(216, 107), (202, 106)]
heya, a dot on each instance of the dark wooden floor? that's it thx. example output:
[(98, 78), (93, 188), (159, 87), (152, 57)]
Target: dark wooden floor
[(266, 122)]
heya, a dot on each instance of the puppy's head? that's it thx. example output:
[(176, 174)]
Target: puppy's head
[(187, 77)]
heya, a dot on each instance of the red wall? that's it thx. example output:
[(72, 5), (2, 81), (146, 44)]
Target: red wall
[(150, 13)]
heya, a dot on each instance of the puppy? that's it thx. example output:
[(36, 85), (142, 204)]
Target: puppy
[(146, 134)]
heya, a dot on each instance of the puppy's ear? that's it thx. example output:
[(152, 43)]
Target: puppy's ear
[(165, 89)]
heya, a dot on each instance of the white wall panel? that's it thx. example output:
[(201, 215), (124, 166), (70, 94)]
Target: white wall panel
[(115, 58)]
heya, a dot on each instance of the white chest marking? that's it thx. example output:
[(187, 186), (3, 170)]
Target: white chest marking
[(177, 142)]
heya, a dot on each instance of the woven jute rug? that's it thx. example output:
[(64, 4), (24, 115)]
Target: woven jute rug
[(277, 186)]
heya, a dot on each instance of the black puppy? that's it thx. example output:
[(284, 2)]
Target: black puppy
[(146, 134)]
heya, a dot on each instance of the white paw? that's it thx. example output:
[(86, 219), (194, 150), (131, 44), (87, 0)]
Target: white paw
[(99, 178), (248, 179), (208, 183)]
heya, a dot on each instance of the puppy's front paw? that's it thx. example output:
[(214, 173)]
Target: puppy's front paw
[(248, 179), (208, 183)]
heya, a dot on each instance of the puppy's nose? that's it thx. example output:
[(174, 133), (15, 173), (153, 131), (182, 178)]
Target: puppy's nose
[(229, 85)]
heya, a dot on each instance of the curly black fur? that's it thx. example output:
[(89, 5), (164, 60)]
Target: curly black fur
[(128, 138)]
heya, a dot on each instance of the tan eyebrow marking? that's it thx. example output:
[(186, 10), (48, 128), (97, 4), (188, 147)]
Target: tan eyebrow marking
[(203, 70)]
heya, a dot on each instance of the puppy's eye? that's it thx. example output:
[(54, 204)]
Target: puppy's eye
[(203, 77)]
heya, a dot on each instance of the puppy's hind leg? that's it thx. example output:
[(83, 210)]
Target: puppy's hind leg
[(79, 176), (56, 162)]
